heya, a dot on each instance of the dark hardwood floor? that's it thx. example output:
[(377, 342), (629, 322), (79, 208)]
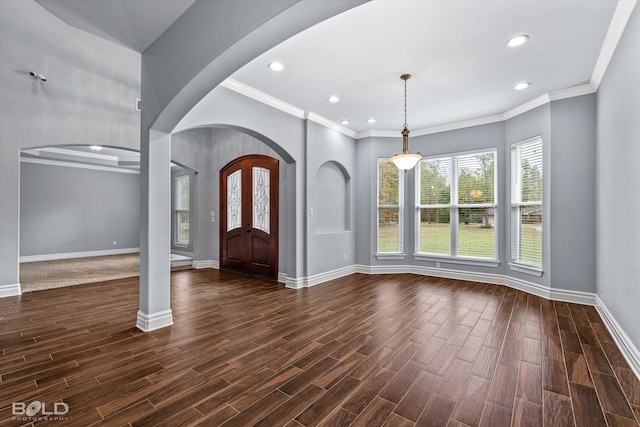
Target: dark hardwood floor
[(393, 350)]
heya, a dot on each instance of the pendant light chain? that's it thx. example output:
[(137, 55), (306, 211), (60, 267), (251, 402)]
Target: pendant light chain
[(405, 103)]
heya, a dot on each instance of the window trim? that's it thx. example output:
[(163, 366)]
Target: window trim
[(401, 212), (454, 209), (176, 246), (515, 263)]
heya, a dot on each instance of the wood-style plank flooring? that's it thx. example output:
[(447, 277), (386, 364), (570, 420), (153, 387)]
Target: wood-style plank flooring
[(392, 350)]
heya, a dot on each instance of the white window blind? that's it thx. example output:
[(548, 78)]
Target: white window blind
[(457, 205), (390, 208), (434, 206), (526, 202), (181, 207)]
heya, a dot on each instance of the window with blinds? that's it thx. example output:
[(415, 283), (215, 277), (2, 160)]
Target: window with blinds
[(457, 205), (526, 202), (390, 208), (181, 210)]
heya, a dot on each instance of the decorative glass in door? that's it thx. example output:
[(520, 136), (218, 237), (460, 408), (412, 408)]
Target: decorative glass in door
[(261, 198), (234, 200)]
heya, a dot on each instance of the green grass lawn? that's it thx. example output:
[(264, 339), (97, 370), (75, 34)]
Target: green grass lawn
[(473, 240)]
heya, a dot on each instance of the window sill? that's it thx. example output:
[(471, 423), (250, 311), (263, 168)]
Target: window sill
[(390, 256), (479, 262), (526, 269)]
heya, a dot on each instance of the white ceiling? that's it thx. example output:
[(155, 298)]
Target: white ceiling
[(455, 50)]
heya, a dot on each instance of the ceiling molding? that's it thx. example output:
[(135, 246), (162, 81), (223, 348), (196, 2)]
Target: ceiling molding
[(571, 92), (618, 23), (77, 165), (460, 125), (527, 106), (262, 97), (72, 153), (317, 118), (614, 33)]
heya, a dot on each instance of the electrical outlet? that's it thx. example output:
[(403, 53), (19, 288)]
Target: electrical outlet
[(344, 256), (438, 264), (115, 243)]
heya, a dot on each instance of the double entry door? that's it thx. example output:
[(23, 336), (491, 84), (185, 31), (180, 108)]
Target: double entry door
[(249, 216)]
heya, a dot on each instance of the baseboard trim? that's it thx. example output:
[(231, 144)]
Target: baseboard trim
[(85, 254), (628, 350), (153, 321), (555, 294), (12, 290), (207, 263), (294, 283), (317, 279)]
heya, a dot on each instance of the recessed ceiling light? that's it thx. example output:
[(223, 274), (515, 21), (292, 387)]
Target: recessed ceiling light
[(95, 147), (522, 85), (371, 120), (276, 66), (344, 122), (333, 99), (517, 40)]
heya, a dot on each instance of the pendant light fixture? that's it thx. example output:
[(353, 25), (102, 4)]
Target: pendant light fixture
[(406, 160)]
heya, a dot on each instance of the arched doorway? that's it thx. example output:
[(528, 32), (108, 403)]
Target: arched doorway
[(249, 215)]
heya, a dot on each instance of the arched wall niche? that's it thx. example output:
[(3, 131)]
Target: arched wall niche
[(333, 184)]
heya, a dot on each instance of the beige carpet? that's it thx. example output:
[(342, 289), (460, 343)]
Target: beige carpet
[(40, 275)]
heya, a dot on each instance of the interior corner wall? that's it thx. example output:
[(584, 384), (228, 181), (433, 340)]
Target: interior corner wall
[(617, 179), (573, 198), (68, 209), (89, 98), (332, 245)]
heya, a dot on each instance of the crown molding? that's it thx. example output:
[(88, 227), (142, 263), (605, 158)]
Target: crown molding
[(460, 125), (574, 91), (317, 118), (618, 23), (262, 97), (68, 164)]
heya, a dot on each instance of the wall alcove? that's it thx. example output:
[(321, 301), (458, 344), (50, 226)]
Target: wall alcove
[(333, 184)]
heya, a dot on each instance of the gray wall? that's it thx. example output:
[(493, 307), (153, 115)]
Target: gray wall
[(618, 179), (331, 164), (573, 197), (68, 209), (192, 149), (89, 98)]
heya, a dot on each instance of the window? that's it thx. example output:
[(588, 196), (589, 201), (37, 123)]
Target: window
[(181, 210), (526, 202), (390, 208), (457, 205)]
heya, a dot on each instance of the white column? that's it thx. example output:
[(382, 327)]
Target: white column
[(155, 232), (9, 220)]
